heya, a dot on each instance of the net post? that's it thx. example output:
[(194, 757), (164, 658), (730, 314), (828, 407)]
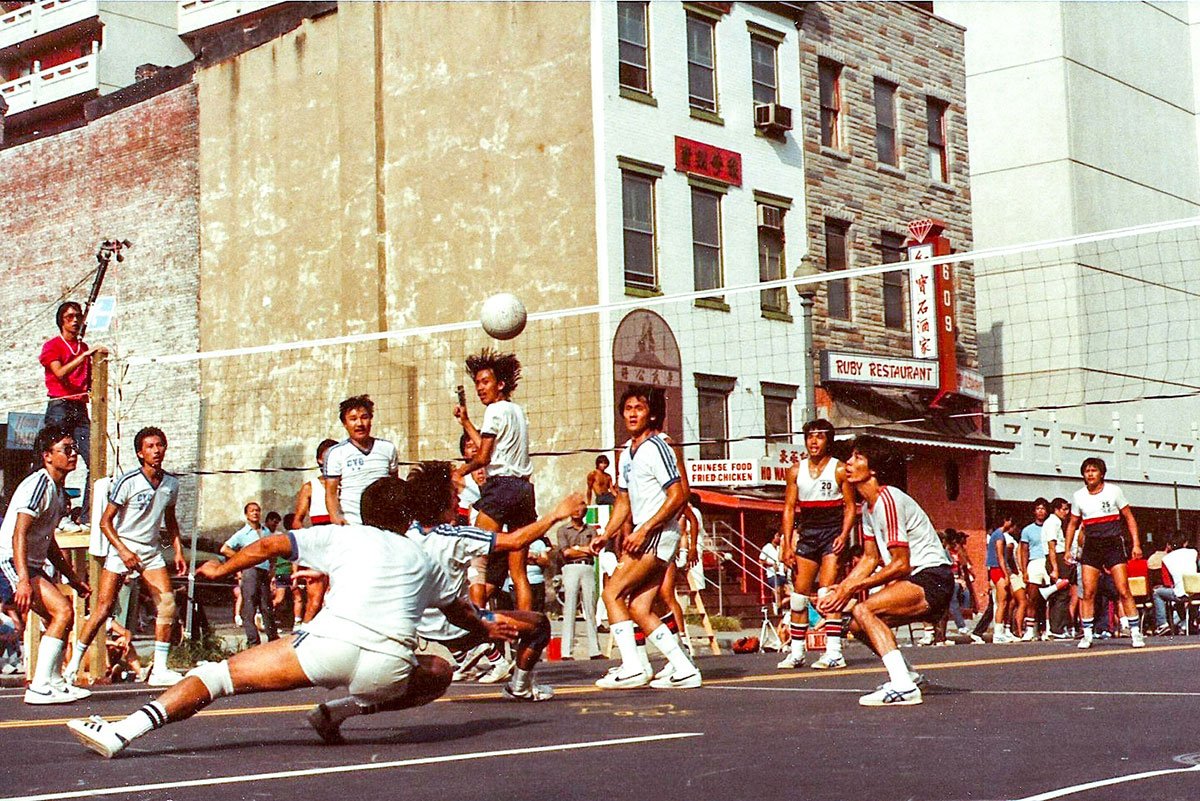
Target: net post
[(97, 663)]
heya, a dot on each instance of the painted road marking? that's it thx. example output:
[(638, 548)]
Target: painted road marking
[(1082, 788), (363, 766)]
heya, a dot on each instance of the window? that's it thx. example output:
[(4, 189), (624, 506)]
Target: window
[(702, 80), (831, 102), (935, 124), (838, 292), (885, 122), (637, 202), (706, 238), (634, 46), (763, 70), (892, 247), (712, 393), (770, 256), (777, 412)]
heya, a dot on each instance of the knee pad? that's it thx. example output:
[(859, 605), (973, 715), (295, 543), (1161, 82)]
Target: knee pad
[(215, 676), (798, 602), (165, 611)]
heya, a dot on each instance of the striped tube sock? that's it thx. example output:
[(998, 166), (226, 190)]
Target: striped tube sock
[(1088, 622), (833, 636), (150, 716), (669, 621), (1133, 622), (799, 637)]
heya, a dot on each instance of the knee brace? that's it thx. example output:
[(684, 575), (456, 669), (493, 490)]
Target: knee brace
[(798, 602), (165, 611), (215, 676)]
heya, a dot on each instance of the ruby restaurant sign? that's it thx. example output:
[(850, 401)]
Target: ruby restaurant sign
[(857, 368)]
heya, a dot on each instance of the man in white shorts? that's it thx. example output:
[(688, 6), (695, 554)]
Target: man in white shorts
[(140, 503), (651, 494), (1031, 560), (26, 542), (903, 557), (356, 462), (364, 639)]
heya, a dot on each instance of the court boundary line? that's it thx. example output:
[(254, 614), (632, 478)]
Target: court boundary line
[(1095, 785), (354, 768), (958, 691)]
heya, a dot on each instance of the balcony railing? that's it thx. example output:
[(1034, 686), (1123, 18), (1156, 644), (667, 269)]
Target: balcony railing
[(35, 19), (52, 84), (197, 14)]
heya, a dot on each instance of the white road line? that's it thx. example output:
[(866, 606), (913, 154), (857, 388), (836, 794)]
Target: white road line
[(960, 691), (292, 774), (101, 693), (1080, 788)]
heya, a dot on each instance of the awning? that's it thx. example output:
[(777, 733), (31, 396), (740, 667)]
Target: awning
[(744, 503), (979, 444)]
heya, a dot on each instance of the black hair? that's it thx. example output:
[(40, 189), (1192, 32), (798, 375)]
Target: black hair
[(273, 514), (881, 456), (602, 458), (462, 444), (1041, 502), (820, 424), (383, 505), (61, 314), (1179, 540), (1096, 462), (693, 499), (246, 508), (289, 521), (1059, 503), (144, 434), (504, 366), (356, 402), (50, 436), (429, 492), (325, 445), (655, 398)]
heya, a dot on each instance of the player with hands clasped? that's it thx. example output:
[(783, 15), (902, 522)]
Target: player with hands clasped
[(817, 488), (140, 503), (903, 557), (26, 542), (651, 494)]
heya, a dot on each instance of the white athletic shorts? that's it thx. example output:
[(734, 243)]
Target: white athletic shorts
[(151, 557), (668, 544), (370, 676), (477, 570), (1037, 572)]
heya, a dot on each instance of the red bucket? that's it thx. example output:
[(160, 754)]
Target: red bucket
[(554, 649)]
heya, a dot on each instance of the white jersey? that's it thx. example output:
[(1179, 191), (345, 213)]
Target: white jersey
[(141, 507), (506, 421), (646, 474), (898, 520), (453, 548), (380, 583), (358, 469), (45, 501), (316, 504), (819, 500), (1052, 531), (1101, 512)]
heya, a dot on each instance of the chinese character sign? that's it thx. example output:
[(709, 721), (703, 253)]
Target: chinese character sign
[(711, 162), (922, 302)]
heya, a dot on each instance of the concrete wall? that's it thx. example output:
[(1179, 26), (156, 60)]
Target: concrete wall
[(137, 33)]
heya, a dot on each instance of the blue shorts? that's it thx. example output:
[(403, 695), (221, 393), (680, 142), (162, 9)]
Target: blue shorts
[(9, 579), (814, 543)]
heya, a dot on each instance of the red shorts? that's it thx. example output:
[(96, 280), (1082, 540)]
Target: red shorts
[(995, 574)]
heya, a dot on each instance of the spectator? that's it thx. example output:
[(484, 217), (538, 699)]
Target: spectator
[(256, 589), (1181, 558), (1061, 599), (67, 361), (535, 568), (600, 484), (960, 563), (579, 579), (281, 579), (776, 575), (1031, 558)]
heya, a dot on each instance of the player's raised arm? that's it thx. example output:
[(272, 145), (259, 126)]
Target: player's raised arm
[(516, 540)]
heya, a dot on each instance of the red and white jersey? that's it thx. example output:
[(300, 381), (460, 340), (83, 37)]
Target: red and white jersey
[(1100, 512), (896, 520), (819, 500)]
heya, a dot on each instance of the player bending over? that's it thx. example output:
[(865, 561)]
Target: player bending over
[(817, 488), (140, 503), (651, 494), (903, 557), (363, 639)]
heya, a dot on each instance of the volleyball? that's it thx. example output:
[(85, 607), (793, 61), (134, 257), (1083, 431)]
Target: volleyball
[(503, 316)]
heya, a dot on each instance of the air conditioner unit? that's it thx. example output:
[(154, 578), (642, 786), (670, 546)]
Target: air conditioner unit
[(770, 217), (772, 117)]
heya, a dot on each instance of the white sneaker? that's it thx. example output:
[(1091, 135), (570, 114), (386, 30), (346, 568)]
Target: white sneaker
[(829, 661), (913, 676), (163, 678), (666, 671), (647, 668), (975, 639), (889, 696), (672, 682), (237, 620), (99, 735), (48, 694), (1004, 638), (1138, 640), (534, 692), (499, 671), (926, 640), (1028, 636), (469, 667), (1086, 642), (76, 693), (790, 662), (615, 680)]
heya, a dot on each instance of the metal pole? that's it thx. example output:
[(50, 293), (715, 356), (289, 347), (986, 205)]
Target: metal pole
[(807, 300), (191, 585), (1178, 525)]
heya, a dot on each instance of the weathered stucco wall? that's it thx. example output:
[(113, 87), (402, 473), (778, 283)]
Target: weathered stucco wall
[(390, 166)]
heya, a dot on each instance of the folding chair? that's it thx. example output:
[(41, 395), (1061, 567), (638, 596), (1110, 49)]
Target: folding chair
[(1191, 588), (1141, 599)]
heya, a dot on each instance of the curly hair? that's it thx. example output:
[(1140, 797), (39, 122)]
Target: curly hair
[(504, 366)]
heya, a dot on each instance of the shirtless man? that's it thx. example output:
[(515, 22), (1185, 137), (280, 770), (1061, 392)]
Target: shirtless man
[(600, 484)]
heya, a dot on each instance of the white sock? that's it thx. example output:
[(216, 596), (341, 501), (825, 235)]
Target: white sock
[(342, 708), (623, 633), (48, 657), (150, 716), (644, 659), (76, 659), (161, 649), (897, 671), (521, 679), (666, 641)]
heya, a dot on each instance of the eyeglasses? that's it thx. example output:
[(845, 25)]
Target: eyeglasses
[(67, 450)]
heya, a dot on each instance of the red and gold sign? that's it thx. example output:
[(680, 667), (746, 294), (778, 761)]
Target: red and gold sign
[(716, 163)]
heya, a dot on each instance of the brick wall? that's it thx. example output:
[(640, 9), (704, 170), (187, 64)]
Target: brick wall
[(131, 174), (923, 55)]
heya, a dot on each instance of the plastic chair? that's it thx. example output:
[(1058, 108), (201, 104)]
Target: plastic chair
[(1141, 598), (1191, 588)]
